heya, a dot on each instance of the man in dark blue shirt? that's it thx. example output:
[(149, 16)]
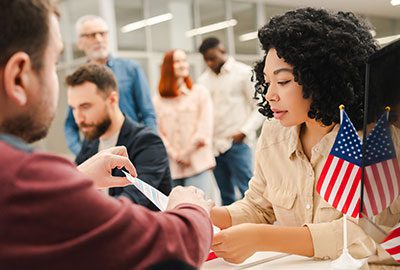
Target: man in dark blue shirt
[(135, 100), (93, 97)]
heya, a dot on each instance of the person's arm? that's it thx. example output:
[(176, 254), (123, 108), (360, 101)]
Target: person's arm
[(220, 217), (107, 233), (320, 240), (255, 119), (254, 207), (72, 133), (244, 221), (172, 152), (141, 96), (237, 243)]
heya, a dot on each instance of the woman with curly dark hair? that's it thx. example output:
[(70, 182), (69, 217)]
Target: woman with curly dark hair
[(314, 61)]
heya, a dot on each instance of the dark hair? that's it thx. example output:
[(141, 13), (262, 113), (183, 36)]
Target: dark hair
[(100, 75), (168, 85), (24, 27), (328, 52), (209, 43)]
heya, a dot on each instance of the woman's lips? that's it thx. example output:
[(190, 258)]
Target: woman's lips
[(278, 114)]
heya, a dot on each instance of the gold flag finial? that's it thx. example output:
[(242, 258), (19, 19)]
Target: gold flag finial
[(387, 108), (341, 107)]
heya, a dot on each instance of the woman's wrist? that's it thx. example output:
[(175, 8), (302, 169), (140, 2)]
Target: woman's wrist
[(220, 217)]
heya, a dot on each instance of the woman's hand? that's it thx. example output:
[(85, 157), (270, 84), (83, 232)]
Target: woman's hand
[(236, 243)]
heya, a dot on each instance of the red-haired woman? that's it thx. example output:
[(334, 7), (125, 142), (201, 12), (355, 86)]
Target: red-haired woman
[(184, 119)]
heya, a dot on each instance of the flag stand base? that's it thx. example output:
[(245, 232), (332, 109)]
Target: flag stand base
[(347, 262)]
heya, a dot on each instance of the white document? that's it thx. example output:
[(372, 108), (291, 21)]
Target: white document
[(155, 196)]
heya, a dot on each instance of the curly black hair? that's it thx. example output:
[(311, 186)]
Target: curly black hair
[(328, 52)]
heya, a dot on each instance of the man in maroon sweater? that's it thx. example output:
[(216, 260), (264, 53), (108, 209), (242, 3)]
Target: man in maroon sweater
[(51, 215)]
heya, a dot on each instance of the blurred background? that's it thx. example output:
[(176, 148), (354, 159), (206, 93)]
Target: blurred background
[(144, 29)]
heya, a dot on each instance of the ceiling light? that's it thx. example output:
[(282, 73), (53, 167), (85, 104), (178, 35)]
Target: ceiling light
[(150, 21), (248, 36), (395, 2), (384, 40), (211, 28)]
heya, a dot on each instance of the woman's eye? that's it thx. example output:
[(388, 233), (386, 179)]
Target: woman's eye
[(283, 82)]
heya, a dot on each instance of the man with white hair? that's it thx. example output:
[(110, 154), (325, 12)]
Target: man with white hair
[(52, 217), (135, 100)]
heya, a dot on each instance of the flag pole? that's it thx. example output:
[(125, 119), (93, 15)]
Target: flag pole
[(345, 248), (387, 109), (346, 261)]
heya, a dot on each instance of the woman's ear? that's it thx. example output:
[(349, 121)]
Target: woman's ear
[(16, 78)]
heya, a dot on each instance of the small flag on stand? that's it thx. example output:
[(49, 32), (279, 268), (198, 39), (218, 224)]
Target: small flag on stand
[(392, 243), (340, 180), (382, 172)]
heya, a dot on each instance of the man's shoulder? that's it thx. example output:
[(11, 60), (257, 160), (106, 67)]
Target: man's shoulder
[(240, 66), (18, 161), (88, 149), (204, 76), (14, 154), (120, 61), (141, 141), (133, 131), (15, 143)]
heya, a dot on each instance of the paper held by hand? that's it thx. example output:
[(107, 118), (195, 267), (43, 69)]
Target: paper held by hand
[(158, 198)]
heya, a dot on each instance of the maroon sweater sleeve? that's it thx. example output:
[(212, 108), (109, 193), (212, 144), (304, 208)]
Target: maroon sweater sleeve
[(53, 218)]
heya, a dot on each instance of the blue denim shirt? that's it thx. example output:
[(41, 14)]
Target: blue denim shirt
[(134, 99)]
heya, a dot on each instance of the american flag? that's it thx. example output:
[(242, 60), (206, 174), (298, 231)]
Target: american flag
[(340, 180), (382, 172), (392, 243)]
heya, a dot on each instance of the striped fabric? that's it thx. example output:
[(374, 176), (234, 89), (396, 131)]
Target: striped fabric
[(392, 243), (340, 181), (382, 172)]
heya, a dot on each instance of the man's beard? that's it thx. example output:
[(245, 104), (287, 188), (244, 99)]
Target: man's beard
[(27, 126), (98, 55), (99, 129)]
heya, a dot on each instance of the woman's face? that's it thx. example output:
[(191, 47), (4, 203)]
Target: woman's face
[(285, 96), (181, 66)]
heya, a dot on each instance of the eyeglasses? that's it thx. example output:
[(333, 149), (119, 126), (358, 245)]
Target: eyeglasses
[(94, 34)]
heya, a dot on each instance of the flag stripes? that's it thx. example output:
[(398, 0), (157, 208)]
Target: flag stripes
[(392, 243), (339, 183), (381, 186)]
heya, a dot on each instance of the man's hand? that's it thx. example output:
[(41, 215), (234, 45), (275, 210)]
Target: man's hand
[(236, 243), (191, 195), (99, 167), (238, 137)]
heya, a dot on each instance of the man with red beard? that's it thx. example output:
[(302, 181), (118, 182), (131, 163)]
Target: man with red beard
[(93, 97)]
